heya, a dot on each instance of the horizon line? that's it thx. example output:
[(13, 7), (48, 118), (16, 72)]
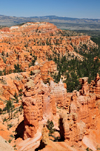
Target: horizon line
[(49, 16)]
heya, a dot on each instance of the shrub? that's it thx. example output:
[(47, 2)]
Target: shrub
[(9, 125), (50, 126), (7, 54), (21, 107), (33, 61), (9, 140), (88, 149), (4, 119), (12, 136), (1, 73), (47, 81), (16, 97), (31, 73), (1, 111), (17, 68), (20, 90), (3, 53)]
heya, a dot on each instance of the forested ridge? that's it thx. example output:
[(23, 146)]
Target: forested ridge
[(74, 69)]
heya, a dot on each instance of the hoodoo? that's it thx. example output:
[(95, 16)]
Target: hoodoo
[(50, 94)]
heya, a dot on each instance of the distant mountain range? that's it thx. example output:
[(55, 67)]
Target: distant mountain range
[(60, 22)]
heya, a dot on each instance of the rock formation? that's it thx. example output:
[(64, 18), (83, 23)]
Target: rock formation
[(40, 101), (26, 76), (18, 47)]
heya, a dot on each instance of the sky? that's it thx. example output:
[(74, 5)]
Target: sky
[(65, 8)]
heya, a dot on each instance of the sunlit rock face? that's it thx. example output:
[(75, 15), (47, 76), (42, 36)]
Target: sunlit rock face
[(78, 112), (40, 99)]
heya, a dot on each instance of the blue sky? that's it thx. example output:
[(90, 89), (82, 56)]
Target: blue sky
[(67, 8)]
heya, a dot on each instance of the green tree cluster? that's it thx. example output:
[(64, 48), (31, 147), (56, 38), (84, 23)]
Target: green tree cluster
[(50, 126), (9, 108), (74, 69)]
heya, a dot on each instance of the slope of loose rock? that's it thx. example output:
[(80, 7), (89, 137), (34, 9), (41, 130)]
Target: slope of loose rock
[(4, 146)]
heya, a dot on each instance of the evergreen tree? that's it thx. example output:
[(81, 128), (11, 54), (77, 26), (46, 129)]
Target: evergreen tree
[(9, 108)]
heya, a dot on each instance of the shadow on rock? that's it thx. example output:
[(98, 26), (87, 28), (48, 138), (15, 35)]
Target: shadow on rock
[(20, 130)]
